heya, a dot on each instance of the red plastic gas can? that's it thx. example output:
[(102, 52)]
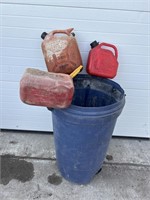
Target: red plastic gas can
[(102, 61)]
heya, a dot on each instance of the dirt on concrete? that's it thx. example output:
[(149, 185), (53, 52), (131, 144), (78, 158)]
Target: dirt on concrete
[(54, 179), (14, 168)]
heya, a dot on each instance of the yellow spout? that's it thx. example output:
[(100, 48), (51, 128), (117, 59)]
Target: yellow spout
[(76, 71)]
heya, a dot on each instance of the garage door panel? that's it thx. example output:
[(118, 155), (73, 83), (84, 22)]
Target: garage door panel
[(132, 5), (103, 15), (82, 36), (126, 27), (102, 26)]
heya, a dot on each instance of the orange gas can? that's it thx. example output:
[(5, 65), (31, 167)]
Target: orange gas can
[(102, 61), (61, 52)]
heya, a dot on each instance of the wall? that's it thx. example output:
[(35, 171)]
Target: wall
[(125, 25)]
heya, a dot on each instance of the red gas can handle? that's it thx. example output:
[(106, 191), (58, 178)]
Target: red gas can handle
[(110, 45), (67, 31)]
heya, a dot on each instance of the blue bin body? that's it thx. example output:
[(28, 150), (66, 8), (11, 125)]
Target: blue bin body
[(83, 131)]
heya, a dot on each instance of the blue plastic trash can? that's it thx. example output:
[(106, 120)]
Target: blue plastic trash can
[(82, 132)]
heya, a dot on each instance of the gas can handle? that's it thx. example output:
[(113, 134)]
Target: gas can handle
[(67, 31), (110, 45)]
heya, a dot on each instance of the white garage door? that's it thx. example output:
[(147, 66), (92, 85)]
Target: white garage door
[(125, 25)]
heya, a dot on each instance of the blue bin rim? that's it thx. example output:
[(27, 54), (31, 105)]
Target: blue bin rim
[(105, 80), (94, 111)]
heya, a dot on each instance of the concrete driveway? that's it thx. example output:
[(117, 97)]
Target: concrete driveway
[(29, 170)]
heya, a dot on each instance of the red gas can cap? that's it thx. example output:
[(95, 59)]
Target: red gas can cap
[(102, 60)]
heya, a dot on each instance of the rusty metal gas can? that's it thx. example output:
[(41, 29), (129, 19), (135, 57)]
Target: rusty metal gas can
[(102, 60), (60, 50)]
